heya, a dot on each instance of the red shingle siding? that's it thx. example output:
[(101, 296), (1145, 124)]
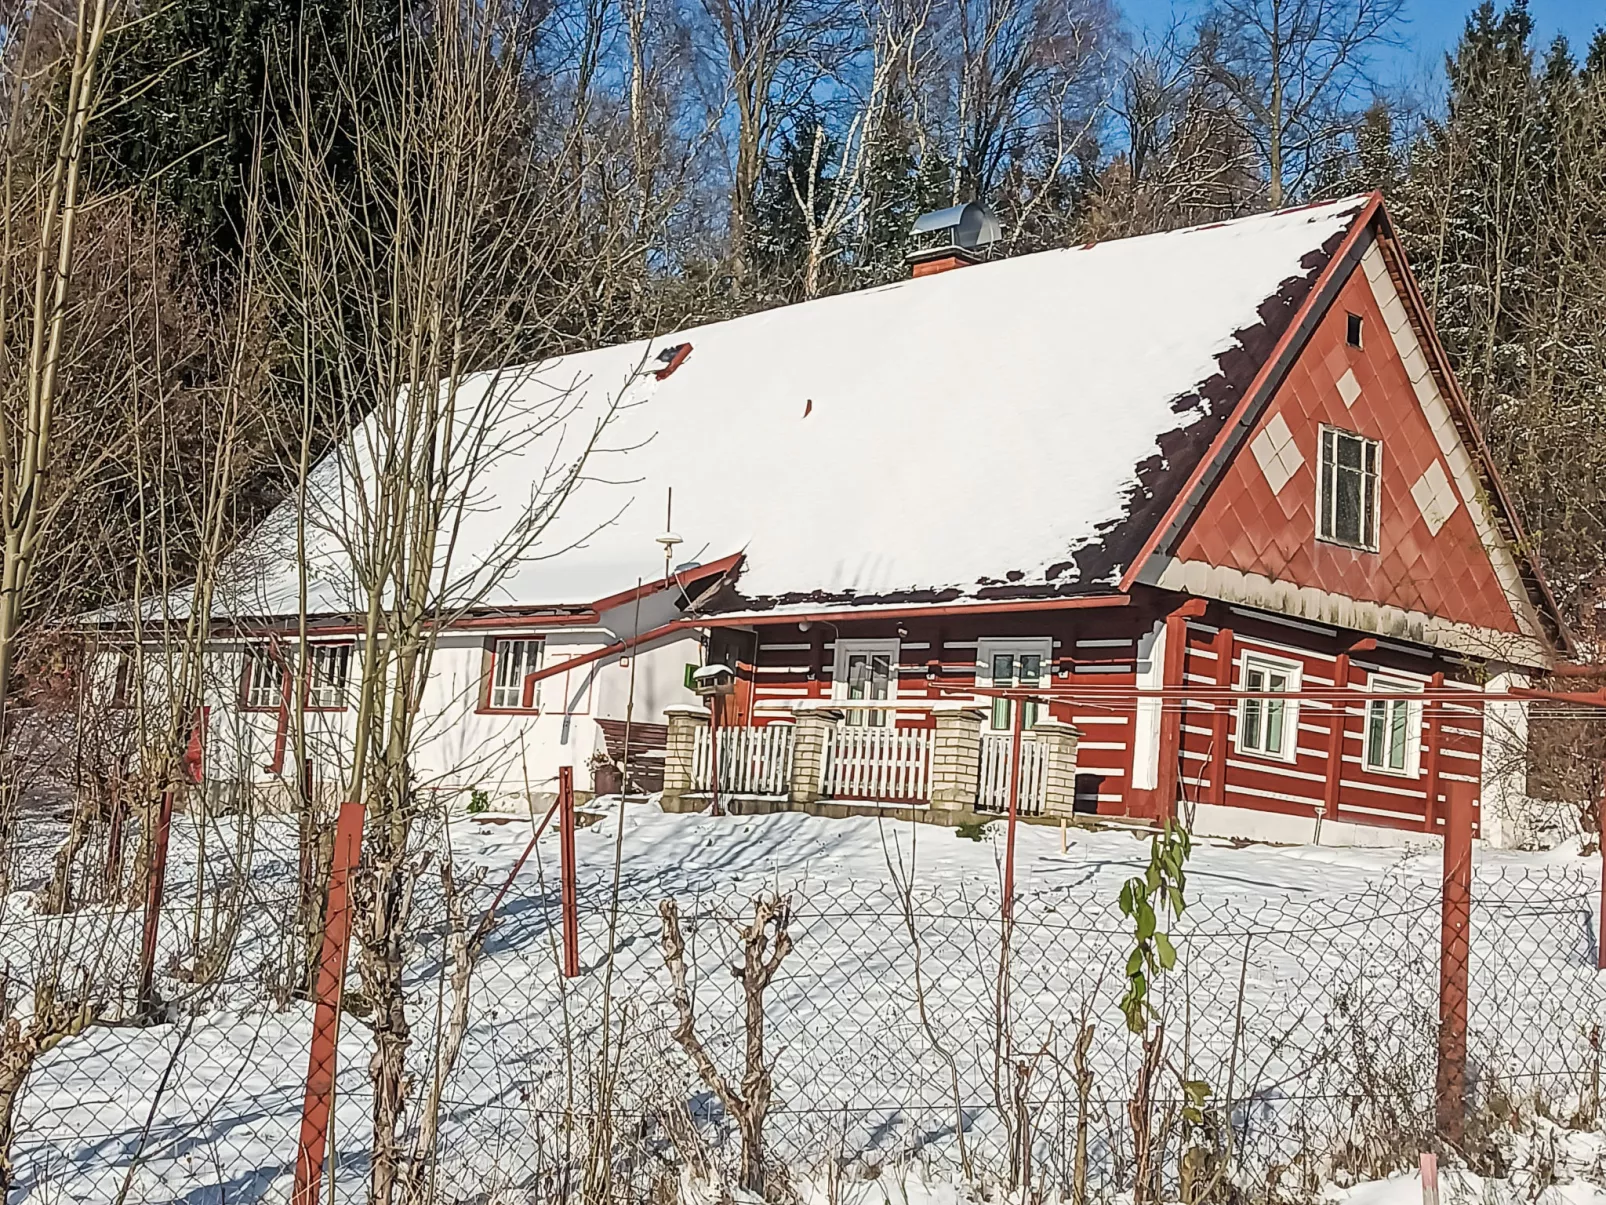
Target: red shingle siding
[(1244, 525)]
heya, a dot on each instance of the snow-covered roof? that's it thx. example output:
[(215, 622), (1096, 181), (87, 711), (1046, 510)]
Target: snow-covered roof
[(990, 429)]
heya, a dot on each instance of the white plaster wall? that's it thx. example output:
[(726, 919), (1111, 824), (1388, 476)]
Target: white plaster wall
[(1146, 729), (460, 748)]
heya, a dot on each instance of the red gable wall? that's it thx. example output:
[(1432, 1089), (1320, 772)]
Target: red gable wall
[(1245, 526)]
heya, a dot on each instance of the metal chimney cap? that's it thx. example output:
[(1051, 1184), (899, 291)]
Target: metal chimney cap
[(971, 226)]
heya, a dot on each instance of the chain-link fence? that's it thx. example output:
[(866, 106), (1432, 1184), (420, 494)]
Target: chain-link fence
[(1296, 1042)]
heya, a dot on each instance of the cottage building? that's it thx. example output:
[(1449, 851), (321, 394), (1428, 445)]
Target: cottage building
[(1230, 456)]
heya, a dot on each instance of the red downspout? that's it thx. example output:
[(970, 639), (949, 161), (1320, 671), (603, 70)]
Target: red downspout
[(1337, 723)]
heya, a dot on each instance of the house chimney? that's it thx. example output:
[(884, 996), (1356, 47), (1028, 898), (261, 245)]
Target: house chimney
[(952, 238)]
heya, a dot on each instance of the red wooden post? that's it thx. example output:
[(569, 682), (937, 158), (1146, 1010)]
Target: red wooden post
[(1014, 796), (571, 886), (1429, 1163), (317, 1106), (1173, 672), (155, 884), (1454, 947), (1435, 726), (1219, 721), (1600, 929)]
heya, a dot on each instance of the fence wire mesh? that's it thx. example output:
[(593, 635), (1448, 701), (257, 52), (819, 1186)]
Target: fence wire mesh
[(1298, 1038)]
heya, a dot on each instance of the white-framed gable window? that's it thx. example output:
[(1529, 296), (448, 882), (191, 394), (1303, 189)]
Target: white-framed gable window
[(262, 680), (1268, 727), (1008, 663), (331, 671), (512, 660), (1346, 488), (865, 670), (1393, 728)]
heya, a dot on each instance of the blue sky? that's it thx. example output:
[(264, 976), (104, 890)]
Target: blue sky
[(1432, 27)]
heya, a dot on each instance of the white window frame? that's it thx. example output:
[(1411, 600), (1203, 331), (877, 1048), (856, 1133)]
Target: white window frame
[(839, 677), (1413, 726), (1370, 507), (1255, 662), (326, 691), (989, 647), (262, 685), (502, 694)]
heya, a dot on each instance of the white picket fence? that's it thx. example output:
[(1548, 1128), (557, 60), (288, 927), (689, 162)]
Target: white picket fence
[(752, 760), (992, 792), (888, 764)]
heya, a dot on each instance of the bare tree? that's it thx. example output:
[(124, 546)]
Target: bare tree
[(767, 56), (418, 284), (1025, 74), (766, 941), (1292, 68)]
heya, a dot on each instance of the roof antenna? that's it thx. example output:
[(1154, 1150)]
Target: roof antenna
[(669, 539)]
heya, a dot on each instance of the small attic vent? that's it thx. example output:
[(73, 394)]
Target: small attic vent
[(953, 237)]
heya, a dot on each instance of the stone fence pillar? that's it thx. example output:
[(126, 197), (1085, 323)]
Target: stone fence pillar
[(955, 756), (684, 724), (1058, 740), (814, 728)]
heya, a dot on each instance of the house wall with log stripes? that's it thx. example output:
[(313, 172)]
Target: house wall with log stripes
[(1327, 774), (1104, 650)]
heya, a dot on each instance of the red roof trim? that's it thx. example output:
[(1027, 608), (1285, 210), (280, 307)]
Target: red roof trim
[(916, 610), (1252, 396), (680, 577)]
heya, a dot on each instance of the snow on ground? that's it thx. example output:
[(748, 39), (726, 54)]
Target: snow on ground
[(885, 1012)]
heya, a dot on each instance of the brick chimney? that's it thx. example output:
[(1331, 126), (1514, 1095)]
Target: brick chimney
[(942, 260), (954, 238)]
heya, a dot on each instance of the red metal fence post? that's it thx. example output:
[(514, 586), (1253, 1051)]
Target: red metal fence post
[(1454, 946), (1600, 841), (571, 886), (155, 885), (317, 1105)]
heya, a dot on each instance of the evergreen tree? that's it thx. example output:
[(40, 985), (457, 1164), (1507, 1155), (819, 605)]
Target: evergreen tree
[(1504, 212), (196, 76)]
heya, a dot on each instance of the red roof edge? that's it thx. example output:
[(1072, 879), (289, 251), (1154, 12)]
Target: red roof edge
[(1373, 214), (914, 610), (1218, 447), (678, 578)]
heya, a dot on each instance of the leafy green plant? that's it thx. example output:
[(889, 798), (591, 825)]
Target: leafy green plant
[(478, 801), (1158, 892), (973, 831)]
